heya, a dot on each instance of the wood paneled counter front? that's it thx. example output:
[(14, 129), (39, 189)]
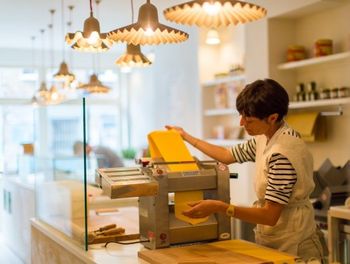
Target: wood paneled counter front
[(51, 246)]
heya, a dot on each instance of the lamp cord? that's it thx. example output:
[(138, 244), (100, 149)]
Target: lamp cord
[(42, 31), (33, 52), (91, 13), (62, 24), (69, 24), (52, 11), (132, 11)]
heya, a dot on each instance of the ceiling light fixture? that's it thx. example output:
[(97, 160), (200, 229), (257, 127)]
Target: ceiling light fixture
[(95, 85), (147, 30), (213, 37), (133, 56), (90, 40), (54, 96), (43, 94), (214, 13), (63, 73)]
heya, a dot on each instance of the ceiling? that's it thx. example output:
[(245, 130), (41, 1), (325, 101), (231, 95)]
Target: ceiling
[(22, 19)]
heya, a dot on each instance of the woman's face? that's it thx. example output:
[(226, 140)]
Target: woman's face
[(254, 126)]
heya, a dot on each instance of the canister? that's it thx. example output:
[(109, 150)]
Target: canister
[(323, 47), (295, 53)]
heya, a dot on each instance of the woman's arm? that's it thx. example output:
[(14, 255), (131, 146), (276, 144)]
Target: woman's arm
[(216, 152), (267, 215)]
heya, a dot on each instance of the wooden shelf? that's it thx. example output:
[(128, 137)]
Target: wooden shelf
[(313, 61), (224, 142), (220, 112), (319, 103), (223, 80)]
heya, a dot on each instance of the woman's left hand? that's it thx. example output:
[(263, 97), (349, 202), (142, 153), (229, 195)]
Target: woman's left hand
[(203, 208)]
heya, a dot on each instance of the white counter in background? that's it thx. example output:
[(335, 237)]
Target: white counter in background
[(18, 208), (51, 246)]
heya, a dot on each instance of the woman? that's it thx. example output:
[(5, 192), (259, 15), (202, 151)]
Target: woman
[(284, 173)]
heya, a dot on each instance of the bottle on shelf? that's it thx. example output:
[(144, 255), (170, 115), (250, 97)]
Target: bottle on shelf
[(300, 95), (325, 93), (312, 93)]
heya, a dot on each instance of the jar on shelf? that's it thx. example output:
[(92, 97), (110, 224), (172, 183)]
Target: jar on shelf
[(295, 53), (312, 93), (334, 92), (343, 92), (323, 47), (300, 95), (325, 93)]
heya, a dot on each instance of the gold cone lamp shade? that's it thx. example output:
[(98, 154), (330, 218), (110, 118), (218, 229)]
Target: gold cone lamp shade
[(90, 40), (214, 13), (34, 101), (43, 94), (133, 57), (147, 30), (94, 85), (64, 74), (55, 96)]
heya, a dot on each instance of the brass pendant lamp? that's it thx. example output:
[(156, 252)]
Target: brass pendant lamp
[(63, 73), (214, 13), (95, 85), (55, 97), (90, 40), (133, 56), (43, 94), (147, 30)]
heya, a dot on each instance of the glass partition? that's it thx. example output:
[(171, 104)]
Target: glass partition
[(66, 157), (60, 175)]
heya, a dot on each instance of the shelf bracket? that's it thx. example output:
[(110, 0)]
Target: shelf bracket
[(333, 113)]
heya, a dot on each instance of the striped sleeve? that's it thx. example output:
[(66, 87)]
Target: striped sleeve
[(281, 179), (245, 151)]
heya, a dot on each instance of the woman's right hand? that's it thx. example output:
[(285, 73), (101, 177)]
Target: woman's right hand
[(180, 130)]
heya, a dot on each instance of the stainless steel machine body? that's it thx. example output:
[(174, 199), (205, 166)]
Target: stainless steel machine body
[(154, 184)]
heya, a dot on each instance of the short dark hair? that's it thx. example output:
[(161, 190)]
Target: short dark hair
[(263, 98)]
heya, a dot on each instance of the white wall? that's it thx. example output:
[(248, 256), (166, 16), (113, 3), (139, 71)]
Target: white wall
[(166, 92)]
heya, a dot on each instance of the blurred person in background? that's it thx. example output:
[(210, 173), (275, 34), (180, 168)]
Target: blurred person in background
[(106, 157)]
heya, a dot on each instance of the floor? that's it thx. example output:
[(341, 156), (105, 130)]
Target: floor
[(7, 256)]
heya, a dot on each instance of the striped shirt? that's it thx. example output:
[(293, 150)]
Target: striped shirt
[(281, 175)]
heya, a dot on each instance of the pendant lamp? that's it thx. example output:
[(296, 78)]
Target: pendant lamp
[(133, 56), (147, 30), (213, 37), (90, 40), (43, 93), (94, 85), (63, 73), (214, 13), (54, 96)]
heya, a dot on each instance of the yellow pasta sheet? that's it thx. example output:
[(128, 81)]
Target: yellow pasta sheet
[(170, 146)]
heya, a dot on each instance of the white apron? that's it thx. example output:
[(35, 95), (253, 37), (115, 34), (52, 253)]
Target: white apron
[(296, 226)]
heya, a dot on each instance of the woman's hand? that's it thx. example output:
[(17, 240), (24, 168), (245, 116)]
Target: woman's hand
[(180, 130), (203, 208)]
